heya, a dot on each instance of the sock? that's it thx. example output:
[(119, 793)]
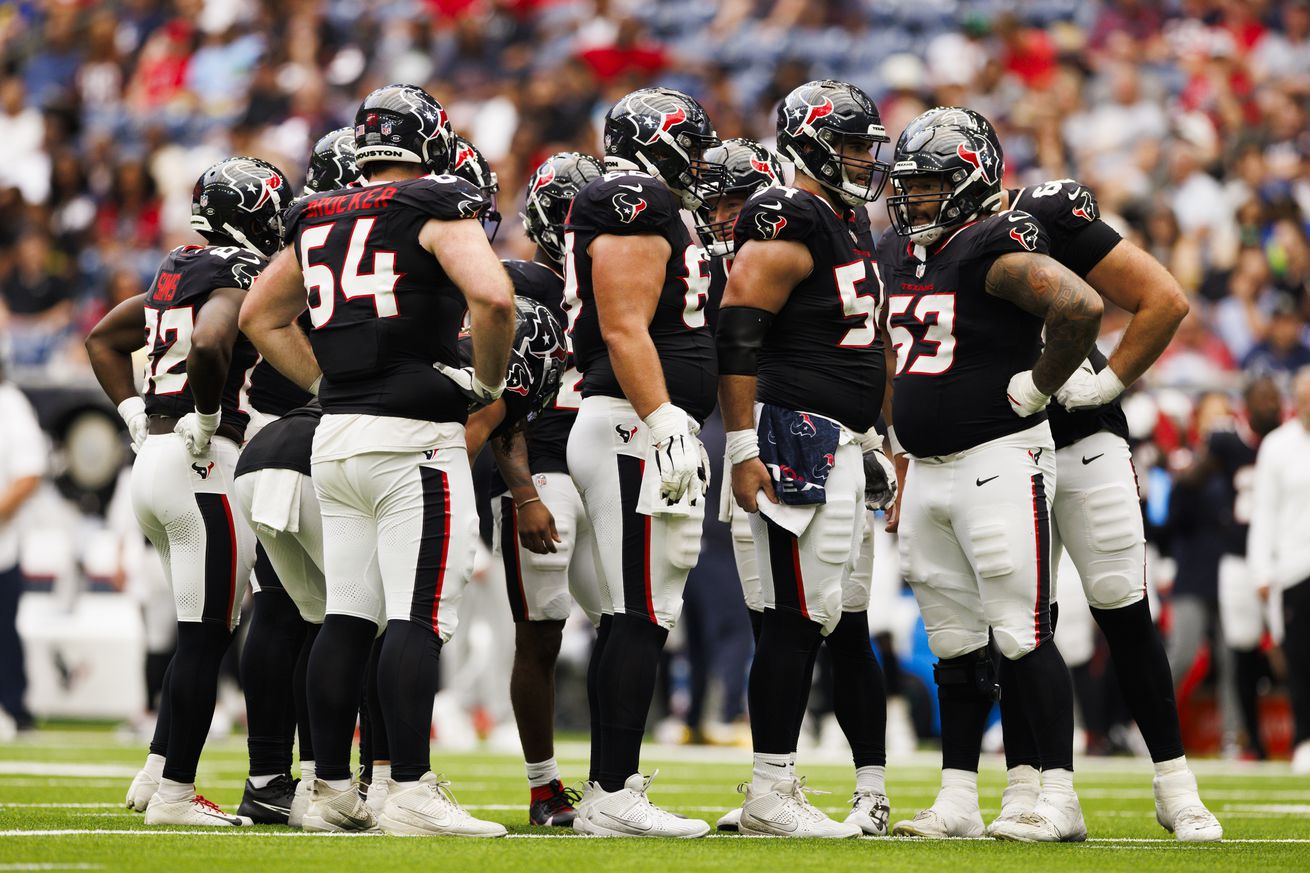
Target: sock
[(408, 674), (1050, 712), (307, 771), (1020, 741), (859, 697), (378, 747), (757, 622), (960, 780), (381, 772), (965, 704), (164, 715), (1174, 765), (542, 773), (298, 689), (871, 778), (172, 791), (338, 784), (262, 780), (268, 665), (769, 770), (154, 766), (1057, 780), (193, 690), (1023, 773), (593, 695), (779, 684), (626, 681), (1142, 668), (334, 683)]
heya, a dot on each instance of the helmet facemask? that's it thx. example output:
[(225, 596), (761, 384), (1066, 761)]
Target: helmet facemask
[(716, 218), (854, 172), (919, 207)]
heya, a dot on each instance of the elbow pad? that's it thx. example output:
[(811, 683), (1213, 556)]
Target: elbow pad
[(740, 335)]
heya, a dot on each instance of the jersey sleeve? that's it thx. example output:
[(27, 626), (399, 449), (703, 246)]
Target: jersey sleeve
[(1072, 218), (234, 268), (776, 213), (445, 198), (1007, 233), (626, 205)]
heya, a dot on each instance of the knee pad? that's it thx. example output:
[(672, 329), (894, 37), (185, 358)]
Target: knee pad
[(837, 538), (990, 547), (1012, 647), (684, 537), (1114, 518), (968, 677)]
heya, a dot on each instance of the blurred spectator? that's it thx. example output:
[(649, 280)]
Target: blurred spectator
[(1283, 351), (22, 464), (37, 301), (24, 163)]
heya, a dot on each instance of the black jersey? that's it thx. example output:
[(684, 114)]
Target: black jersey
[(285, 444), (823, 353), (272, 393), (381, 307), (1235, 458), (628, 204), (958, 346), (1079, 240), (186, 278)]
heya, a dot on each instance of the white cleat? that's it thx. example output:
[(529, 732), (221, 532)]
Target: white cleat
[(194, 811), (299, 805), (1020, 795), (1179, 810), (730, 823), (954, 814), (1301, 758), (336, 811), (1054, 819), (428, 809), (142, 789), (870, 812), (628, 812), (785, 811), (376, 797)]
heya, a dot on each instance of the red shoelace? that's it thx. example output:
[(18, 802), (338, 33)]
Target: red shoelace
[(208, 804)]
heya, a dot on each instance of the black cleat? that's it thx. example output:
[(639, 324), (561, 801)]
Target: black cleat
[(552, 805), (270, 804)]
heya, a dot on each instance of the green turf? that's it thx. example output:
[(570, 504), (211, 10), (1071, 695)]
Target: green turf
[(69, 780)]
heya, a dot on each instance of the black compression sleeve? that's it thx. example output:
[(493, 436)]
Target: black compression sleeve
[(740, 334)]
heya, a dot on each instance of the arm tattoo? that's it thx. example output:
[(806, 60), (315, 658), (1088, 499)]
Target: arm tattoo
[(511, 454), (1043, 286)]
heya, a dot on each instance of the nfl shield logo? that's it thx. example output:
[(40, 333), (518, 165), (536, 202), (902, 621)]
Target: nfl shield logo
[(386, 128), (204, 199)]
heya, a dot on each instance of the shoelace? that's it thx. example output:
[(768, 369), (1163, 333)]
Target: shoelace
[(565, 798), (200, 800), (799, 794)]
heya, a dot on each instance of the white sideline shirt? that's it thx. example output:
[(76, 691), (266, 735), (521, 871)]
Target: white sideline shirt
[(23, 453), (1278, 544)]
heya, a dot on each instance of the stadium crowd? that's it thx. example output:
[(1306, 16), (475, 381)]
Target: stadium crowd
[(1187, 117)]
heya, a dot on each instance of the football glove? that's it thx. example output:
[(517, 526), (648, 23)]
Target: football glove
[(1087, 389), (479, 393), (879, 480), (1024, 396), (196, 429), (133, 412), (677, 456)]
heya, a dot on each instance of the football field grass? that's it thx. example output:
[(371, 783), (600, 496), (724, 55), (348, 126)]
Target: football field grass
[(61, 795)]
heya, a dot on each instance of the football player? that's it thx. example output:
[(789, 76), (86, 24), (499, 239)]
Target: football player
[(635, 290), (542, 534), (186, 431), (1097, 514), (969, 294), (279, 638), (805, 373), (389, 270)]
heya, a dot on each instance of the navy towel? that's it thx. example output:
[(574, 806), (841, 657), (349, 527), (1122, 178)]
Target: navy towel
[(798, 449)]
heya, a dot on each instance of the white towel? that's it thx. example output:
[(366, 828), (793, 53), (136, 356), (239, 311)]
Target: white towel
[(649, 501), (793, 519), (276, 504)]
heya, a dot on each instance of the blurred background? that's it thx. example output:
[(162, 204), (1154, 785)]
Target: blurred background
[(1186, 117)]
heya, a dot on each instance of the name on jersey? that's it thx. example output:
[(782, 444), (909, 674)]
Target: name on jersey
[(166, 287), (367, 198), (910, 286)]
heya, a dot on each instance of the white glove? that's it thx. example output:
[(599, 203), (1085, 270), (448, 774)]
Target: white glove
[(676, 454), (479, 393), (196, 429), (1024, 396), (1087, 390), (133, 412)]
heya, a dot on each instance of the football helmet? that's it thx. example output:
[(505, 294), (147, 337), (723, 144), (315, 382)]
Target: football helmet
[(240, 201), (332, 163), (749, 167), (469, 164), (664, 133), (536, 360), (403, 124), (551, 191), (817, 122), (960, 149)]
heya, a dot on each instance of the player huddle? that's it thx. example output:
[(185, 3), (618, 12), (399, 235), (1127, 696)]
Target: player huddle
[(321, 372)]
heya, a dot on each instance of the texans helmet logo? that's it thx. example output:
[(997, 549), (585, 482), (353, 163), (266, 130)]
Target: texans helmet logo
[(763, 167), (518, 378), (544, 178), (981, 157), (1025, 236), (667, 120), (1086, 208), (768, 225), (268, 190), (628, 207), (462, 156), (813, 112)]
